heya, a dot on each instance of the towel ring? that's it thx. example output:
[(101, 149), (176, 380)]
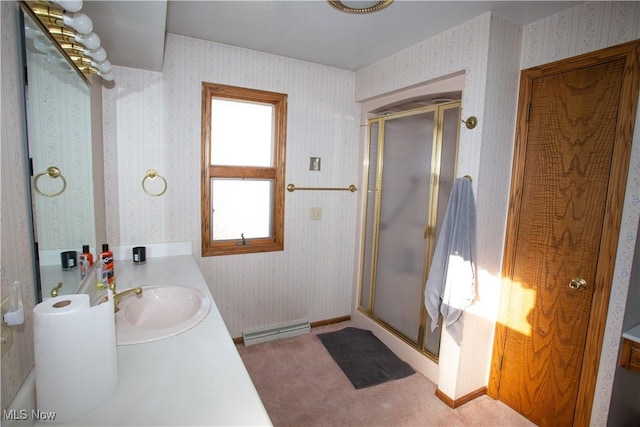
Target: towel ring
[(153, 174), (53, 172)]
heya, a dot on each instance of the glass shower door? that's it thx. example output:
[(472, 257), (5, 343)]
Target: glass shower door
[(412, 158), (403, 217)]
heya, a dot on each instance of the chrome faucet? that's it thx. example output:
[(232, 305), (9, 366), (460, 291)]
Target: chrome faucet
[(118, 296)]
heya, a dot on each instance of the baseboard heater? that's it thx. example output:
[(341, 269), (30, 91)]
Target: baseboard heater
[(284, 330)]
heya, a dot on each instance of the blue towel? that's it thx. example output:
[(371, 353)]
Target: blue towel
[(452, 278)]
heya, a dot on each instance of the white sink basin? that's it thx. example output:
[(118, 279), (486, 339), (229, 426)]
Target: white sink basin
[(159, 312)]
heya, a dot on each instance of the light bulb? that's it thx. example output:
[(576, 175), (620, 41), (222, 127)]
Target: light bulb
[(42, 46), (90, 41), (103, 67), (69, 5), (53, 58), (107, 76), (79, 22), (30, 32), (97, 55)]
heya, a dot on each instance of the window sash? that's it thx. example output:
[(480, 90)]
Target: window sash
[(241, 133), (232, 210)]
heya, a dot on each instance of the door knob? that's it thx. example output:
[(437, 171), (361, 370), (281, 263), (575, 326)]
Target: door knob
[(578, 283)]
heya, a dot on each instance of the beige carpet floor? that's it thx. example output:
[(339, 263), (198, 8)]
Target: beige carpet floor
[(300, 385)]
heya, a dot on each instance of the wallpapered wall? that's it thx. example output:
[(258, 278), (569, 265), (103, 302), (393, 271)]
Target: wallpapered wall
[(591, 26), (152, 120), (15, 257)]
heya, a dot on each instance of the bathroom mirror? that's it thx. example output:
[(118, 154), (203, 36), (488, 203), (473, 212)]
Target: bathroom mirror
[(58, 112)]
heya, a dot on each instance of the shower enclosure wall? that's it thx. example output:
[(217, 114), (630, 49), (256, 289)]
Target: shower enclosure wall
[(412, 159)]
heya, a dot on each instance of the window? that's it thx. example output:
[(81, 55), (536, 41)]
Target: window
[(243, 158)]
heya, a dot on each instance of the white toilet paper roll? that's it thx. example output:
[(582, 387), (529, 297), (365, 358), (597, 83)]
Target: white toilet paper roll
[(76, 360)]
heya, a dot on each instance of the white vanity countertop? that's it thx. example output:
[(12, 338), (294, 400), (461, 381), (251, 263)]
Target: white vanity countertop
[(194, 378), (633, 334)]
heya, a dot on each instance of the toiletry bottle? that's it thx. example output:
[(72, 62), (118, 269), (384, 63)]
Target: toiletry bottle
[(101, 278), (84, 266), (88, 255), (108, 268)]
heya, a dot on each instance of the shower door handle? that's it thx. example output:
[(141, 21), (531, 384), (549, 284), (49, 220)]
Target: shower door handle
[(427, 232)]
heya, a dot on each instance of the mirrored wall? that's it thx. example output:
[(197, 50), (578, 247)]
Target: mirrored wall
[(60, 150)]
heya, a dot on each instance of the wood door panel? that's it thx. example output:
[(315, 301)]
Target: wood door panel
[(572, 128), (533, 354)]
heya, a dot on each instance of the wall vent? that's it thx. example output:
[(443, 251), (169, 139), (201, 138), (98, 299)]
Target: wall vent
[(275, 332)]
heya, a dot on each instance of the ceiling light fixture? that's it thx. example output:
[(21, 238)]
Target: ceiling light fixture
[(359, 6)]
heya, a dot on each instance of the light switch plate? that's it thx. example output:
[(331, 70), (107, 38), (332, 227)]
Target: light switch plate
[(314, 163), (315, 214)]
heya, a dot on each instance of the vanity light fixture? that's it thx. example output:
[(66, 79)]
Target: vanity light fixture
[(73, 33), (359, 6), (56, 17), (83, 62), (90, 41), (69, 5), (102, 69), (97, 55)]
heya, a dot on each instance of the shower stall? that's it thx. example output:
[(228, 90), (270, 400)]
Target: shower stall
[(412, 160)]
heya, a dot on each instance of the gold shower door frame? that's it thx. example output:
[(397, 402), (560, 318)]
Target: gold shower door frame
[(431, 217)]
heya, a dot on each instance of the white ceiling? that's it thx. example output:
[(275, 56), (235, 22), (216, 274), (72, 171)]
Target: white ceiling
[(133, 32)]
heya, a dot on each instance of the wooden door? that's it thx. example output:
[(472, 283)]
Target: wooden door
[(572, 153)]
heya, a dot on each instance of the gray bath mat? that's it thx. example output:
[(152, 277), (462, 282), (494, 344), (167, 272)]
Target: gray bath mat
[(364, 359)]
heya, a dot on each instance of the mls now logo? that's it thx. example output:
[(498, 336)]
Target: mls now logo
[(23, 414), (15, 414), (39, 415)]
